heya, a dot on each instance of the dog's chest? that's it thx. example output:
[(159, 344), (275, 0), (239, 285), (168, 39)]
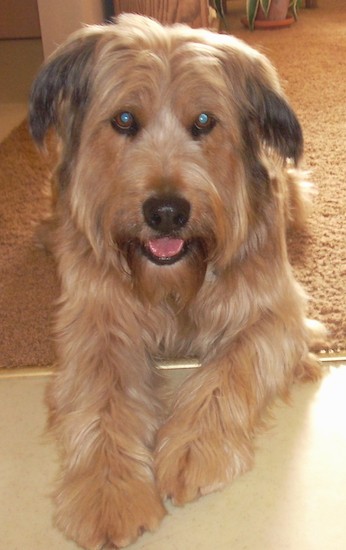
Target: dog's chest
[(181, 336)]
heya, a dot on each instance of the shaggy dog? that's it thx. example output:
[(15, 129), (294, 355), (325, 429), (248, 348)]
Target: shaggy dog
[(177, 180)]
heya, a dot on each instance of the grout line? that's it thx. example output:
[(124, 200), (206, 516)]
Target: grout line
[(331, 359)]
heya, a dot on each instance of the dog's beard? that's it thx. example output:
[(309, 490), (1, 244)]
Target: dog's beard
[(166, 269)]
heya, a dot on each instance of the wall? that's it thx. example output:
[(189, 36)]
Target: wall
[(19, 19), (58, 18)]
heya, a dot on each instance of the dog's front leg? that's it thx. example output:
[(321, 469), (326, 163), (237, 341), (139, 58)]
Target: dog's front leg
[(208, 438), (104, 416)]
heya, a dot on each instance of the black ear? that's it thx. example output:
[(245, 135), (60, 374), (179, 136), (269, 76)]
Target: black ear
[(60, 92), (277, 123), (267, 118)]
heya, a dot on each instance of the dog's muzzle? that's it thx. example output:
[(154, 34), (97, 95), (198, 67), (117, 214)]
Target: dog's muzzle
[(167, 216)]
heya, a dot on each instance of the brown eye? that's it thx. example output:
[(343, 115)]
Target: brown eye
[(125, 123), (203, 124)]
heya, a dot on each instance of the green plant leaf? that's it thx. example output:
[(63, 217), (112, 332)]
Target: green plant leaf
[(265, 5), (218, 7), (295, 5), (251, 11)]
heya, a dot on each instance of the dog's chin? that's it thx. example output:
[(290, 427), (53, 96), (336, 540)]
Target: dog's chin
[(166, 269)]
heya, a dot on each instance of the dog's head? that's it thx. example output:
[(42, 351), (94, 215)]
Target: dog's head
[(165, 134)]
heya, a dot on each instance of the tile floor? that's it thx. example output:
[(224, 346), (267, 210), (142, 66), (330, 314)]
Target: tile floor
[(293, 499)]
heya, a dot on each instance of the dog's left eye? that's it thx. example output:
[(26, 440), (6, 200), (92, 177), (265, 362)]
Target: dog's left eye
[(125, 123), (203, 124)]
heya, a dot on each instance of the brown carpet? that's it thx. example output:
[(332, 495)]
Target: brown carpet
[(28, 283), (310, 57)]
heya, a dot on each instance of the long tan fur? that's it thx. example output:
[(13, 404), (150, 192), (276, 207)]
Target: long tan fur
[(230, 299)]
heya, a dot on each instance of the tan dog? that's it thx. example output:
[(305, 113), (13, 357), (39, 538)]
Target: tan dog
[(177, 178)]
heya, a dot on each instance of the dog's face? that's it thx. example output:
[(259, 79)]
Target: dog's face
[(164, 133)]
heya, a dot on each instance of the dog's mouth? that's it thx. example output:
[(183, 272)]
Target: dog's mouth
[(165, 250)]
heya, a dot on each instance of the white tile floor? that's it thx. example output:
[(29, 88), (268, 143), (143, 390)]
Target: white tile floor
[(294, 498)]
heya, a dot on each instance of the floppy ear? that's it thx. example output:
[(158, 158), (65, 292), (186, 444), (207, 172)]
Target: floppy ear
[(276, 124), (266, 116), (60, 92)]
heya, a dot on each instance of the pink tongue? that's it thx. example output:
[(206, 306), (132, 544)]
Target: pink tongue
[(165, 247)]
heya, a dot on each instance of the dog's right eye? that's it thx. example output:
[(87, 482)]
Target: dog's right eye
[(202, 125), (125, 123)]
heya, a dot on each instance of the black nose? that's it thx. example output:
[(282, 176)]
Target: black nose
[(166, 214)]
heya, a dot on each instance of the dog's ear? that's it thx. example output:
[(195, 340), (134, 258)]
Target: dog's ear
[(266, 116), (60, 92), (275, 122)]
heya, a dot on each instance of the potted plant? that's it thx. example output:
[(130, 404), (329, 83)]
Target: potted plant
[(270, 13)]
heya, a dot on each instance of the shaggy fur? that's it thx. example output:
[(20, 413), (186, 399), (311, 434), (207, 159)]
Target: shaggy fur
[(178, 177)]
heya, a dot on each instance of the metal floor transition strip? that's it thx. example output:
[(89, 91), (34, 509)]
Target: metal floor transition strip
[(331, 359)]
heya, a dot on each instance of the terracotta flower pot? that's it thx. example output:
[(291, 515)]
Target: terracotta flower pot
[(277, 16)]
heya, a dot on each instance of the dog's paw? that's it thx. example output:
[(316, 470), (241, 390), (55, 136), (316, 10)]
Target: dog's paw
[(186, 470), (112, 516)]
